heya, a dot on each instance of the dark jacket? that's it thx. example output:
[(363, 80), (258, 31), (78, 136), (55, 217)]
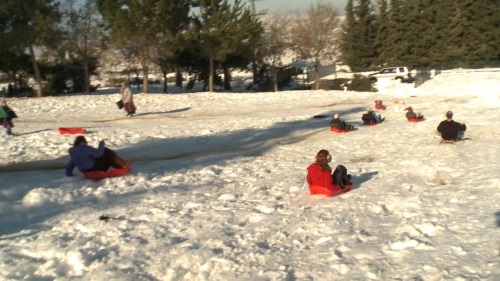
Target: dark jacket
[(339, 124), (449, 129), (369, 116)]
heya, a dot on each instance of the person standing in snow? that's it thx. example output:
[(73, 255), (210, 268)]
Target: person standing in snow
[(451, 130), (127, 99), (6, 116), (87, 158), (340, 124), (319, 173)]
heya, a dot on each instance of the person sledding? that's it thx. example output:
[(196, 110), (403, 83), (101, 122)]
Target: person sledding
[(320, 174), (379, 105), (412, 115), (340, 124), (371, 118), (450, 130), (87, 158), (6, 116)]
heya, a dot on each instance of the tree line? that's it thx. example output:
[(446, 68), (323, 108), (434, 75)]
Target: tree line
[(421, 33), (208, 38)]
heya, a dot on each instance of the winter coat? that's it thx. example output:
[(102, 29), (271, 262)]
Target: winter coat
[(83, 157), (127, 95), (317, 177), (450, 129), (7, 113), (339, 124)]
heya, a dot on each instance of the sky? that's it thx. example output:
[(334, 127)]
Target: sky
[(284, 6), (217, 189)]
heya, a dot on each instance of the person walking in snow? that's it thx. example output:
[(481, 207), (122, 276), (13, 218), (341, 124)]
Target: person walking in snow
[(87, 158), (319, 173), (451, 130), (127, 99), (340, 124), (6, 116)]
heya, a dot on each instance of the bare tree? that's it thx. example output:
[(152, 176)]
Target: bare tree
[(315, 37), (275, 43)]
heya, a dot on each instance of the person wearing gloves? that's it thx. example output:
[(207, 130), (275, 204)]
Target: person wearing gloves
[(87, 158)]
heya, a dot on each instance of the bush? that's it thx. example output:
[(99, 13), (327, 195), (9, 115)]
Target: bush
[(335, 84), (360, 83)]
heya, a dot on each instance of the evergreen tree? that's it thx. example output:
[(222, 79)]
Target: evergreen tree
[(360, 36), (217, 32), (30, 24)]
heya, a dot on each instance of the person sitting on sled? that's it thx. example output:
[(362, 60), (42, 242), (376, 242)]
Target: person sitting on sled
[(6, 116), (410, 114), (87, 158), (371, 117), (451, 130), (340, 124), (319, 173)]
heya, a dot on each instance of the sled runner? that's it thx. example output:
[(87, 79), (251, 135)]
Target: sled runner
[(448, 141), (71, 131), (416, 119), (337, 130), (315, 189), (98, 175)]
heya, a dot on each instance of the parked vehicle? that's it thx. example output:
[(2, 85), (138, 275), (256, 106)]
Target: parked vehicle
[(399, 73)]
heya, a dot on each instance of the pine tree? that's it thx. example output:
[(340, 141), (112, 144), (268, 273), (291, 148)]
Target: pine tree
[(31, 24)]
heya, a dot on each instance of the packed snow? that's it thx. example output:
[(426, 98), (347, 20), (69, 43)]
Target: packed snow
[(218, 191)]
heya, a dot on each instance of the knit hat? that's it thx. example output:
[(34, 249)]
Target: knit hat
[(336, 116), (449, 114)]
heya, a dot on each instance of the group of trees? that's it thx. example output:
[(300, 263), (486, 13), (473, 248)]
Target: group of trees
[(211, 37), (421, 33)]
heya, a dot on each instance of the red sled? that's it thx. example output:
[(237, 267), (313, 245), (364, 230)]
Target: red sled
[(98, 175), (416, 119), (71, 131), (316, 189), (337, 130)]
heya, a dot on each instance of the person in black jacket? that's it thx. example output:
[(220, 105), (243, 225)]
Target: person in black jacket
[(340, 124), (451, 130), (371, 117)]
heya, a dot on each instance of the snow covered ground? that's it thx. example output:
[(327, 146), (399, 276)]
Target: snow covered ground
[(218, 192)]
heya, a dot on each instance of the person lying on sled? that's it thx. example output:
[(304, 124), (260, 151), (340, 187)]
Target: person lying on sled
[(87, 158), (340, 124), (372, 117), (410, 114), (451, 130), (319, 173)]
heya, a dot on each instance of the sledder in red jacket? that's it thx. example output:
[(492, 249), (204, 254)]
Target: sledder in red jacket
[(320, 173)]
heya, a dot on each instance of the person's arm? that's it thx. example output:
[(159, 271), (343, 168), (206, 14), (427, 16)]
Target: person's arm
[(440, 127), (69, 168), (463, 127), (96, 152)]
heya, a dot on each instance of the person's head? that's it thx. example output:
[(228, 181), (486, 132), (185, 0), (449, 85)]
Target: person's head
[(409, 108), (79, 140), (323, 158), (449, 115), (336, 116), (124, 84), (3, 102)]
